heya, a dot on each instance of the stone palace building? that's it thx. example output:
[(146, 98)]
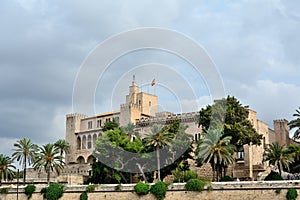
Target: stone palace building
[(141, 109)]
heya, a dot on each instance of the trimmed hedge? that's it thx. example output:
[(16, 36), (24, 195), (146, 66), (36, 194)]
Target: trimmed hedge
[(291, 194), (194, 185), (159, 190), (29, 190), (141, 188)]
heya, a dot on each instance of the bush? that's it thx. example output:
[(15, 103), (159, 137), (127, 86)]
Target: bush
[(159, 190), (194, 185), (226, 178), (278, 191), (83, 196), (29, 190), (54, 191), (210, 188), (118, 187), (4, 191), (141, 188), (43, 192), (90, 188), (291, 194), (273, 176)]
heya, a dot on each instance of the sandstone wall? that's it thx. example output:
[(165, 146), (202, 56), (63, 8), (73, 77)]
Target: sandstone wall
[(222, 191)]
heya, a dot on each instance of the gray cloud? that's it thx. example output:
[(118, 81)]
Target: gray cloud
[(254, 44)]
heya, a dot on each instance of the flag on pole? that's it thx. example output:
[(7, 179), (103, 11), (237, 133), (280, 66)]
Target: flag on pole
[(153, 82)]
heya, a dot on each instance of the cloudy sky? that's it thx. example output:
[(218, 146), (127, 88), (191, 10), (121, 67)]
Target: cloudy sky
[(254, 45)]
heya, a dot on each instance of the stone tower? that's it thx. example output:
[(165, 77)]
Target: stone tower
[(138, 104), (72, 126), (281, 130)]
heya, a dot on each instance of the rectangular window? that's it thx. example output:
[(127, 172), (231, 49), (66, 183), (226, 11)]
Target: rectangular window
[(90, 125), (240, 154), (99, 123)]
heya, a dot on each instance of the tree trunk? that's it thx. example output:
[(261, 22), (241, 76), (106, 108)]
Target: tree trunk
[(24, 173), (158, 163), (213, 168), (48, 176)]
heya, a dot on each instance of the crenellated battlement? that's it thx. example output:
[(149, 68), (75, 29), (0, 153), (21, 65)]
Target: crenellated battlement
[(76, 115)]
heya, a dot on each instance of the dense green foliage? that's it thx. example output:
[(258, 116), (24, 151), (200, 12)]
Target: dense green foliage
[(83, 196), (141, 188), (54, 191), (291, 194), (294, 151), (273, 176), (194, 185), (159, 190), (111, 125), (29, 190), (277, 156), (116, 142), (226, 178), (4, 190), (295, 124), (230, 116)]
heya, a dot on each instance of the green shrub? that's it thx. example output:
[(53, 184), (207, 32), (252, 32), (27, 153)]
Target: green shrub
[(273, 176), (4, 191), (210, 188), (118, 187), (84, 196), (278, 191), (43, 192), (226, 178), (54, 191), (291, 194), (29, 190), (90, 188), (194, 185), (141, 188), (159, 190)]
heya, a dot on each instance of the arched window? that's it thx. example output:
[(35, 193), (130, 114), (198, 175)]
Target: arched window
[(89, 144), (80, 159), (83, 142), (90, 159), (78, 143)]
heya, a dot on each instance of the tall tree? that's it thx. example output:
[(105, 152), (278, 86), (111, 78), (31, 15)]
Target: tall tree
[(49, 159), (216, 150), (6, 168), (295, 124), (24, 153), (228, 114), (159, 139), (277, 157), (294, 150), (63, 146)]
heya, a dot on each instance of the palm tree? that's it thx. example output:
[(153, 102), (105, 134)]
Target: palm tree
[(24, 153), (277, 157), (158, 139), (296, 124), (6, 168), (216, 150), (49, 159), (63, 146)]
